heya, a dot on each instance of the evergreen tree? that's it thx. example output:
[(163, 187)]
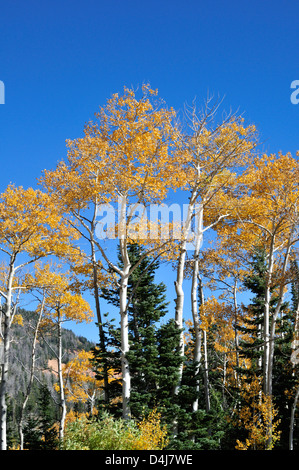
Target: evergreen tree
[(153, 354), (48, 417), (154, 360), (283, 378), (204, 428), (41, 415), (32, 433), (295, 284), (253, 321)]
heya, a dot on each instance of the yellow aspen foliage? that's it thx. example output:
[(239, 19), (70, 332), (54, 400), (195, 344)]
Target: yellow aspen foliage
[(31, 223), (270, 198), (217, 319), (152, 434), (259, 417), (18, 319), (130, 149), (59, 297), (81, 384)]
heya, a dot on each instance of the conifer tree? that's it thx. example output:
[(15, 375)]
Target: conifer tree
[(252, 348), (153, 354), (48, 416), (252, 339)]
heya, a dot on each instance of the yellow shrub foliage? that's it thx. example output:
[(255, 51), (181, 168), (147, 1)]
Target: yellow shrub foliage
[(258, 417), (153, 435)]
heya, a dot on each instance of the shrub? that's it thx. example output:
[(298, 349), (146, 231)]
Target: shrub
[(108, 433)]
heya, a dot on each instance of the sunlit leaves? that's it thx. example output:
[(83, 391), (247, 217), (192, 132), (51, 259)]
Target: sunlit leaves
[(128, 150), (30, 223)]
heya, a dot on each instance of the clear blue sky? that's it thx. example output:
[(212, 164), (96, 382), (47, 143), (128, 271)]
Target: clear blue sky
[(60, 60)]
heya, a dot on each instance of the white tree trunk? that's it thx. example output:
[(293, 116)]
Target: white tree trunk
[(236, 333), (295, 361), (179, 308), (5, 365), (275, 316), (292, 421), (31, 376), (126, 377), (179, 302), (194, 305), (205, 359), (3, 384), (124, 323), (267, 319), (60, 379)]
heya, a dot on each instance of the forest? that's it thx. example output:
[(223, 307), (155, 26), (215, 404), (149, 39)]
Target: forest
[(206, 361)]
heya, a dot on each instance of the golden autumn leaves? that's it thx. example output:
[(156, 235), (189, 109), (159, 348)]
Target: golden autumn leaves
[(136, 150)]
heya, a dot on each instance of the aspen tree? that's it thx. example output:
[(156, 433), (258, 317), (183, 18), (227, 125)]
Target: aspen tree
[(272, 211), (62, 305), (30, 229), (223, 266), (212, 152), (127, 157), (295, 345), (267, 217), (40, 312), (80, 382)]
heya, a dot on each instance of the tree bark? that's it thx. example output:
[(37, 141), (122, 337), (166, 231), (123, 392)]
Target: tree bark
[(124, 323), (60, 380), (179, 301), (194, 305), (292, 421), (3, 384), (205, 357), (267, 388), (31, 377), (99, 319), (236, 333), (5, 364)]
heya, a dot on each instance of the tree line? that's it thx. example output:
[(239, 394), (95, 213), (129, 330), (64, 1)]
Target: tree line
[(225, 374)]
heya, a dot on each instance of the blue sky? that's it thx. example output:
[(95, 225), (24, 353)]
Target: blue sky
[(61, 60)]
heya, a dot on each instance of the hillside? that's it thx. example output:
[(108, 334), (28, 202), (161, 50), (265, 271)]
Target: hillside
[(21, 349)]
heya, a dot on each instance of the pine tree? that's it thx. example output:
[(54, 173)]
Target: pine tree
[(204, 428), (48, 416), (153, 354), (251, 348), (283, 379)]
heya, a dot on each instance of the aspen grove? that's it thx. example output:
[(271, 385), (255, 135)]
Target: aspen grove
[(206, 359)]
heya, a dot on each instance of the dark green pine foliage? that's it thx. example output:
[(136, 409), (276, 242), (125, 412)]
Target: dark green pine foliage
[(153, 355), (202, 429), (166, 366), (256, 283), (154, 363), (252, 325), (39, 433), (283, 378), (112, 357), (48, 417)]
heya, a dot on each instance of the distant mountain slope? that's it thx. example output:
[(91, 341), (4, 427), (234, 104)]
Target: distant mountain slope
[(21, 351)]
